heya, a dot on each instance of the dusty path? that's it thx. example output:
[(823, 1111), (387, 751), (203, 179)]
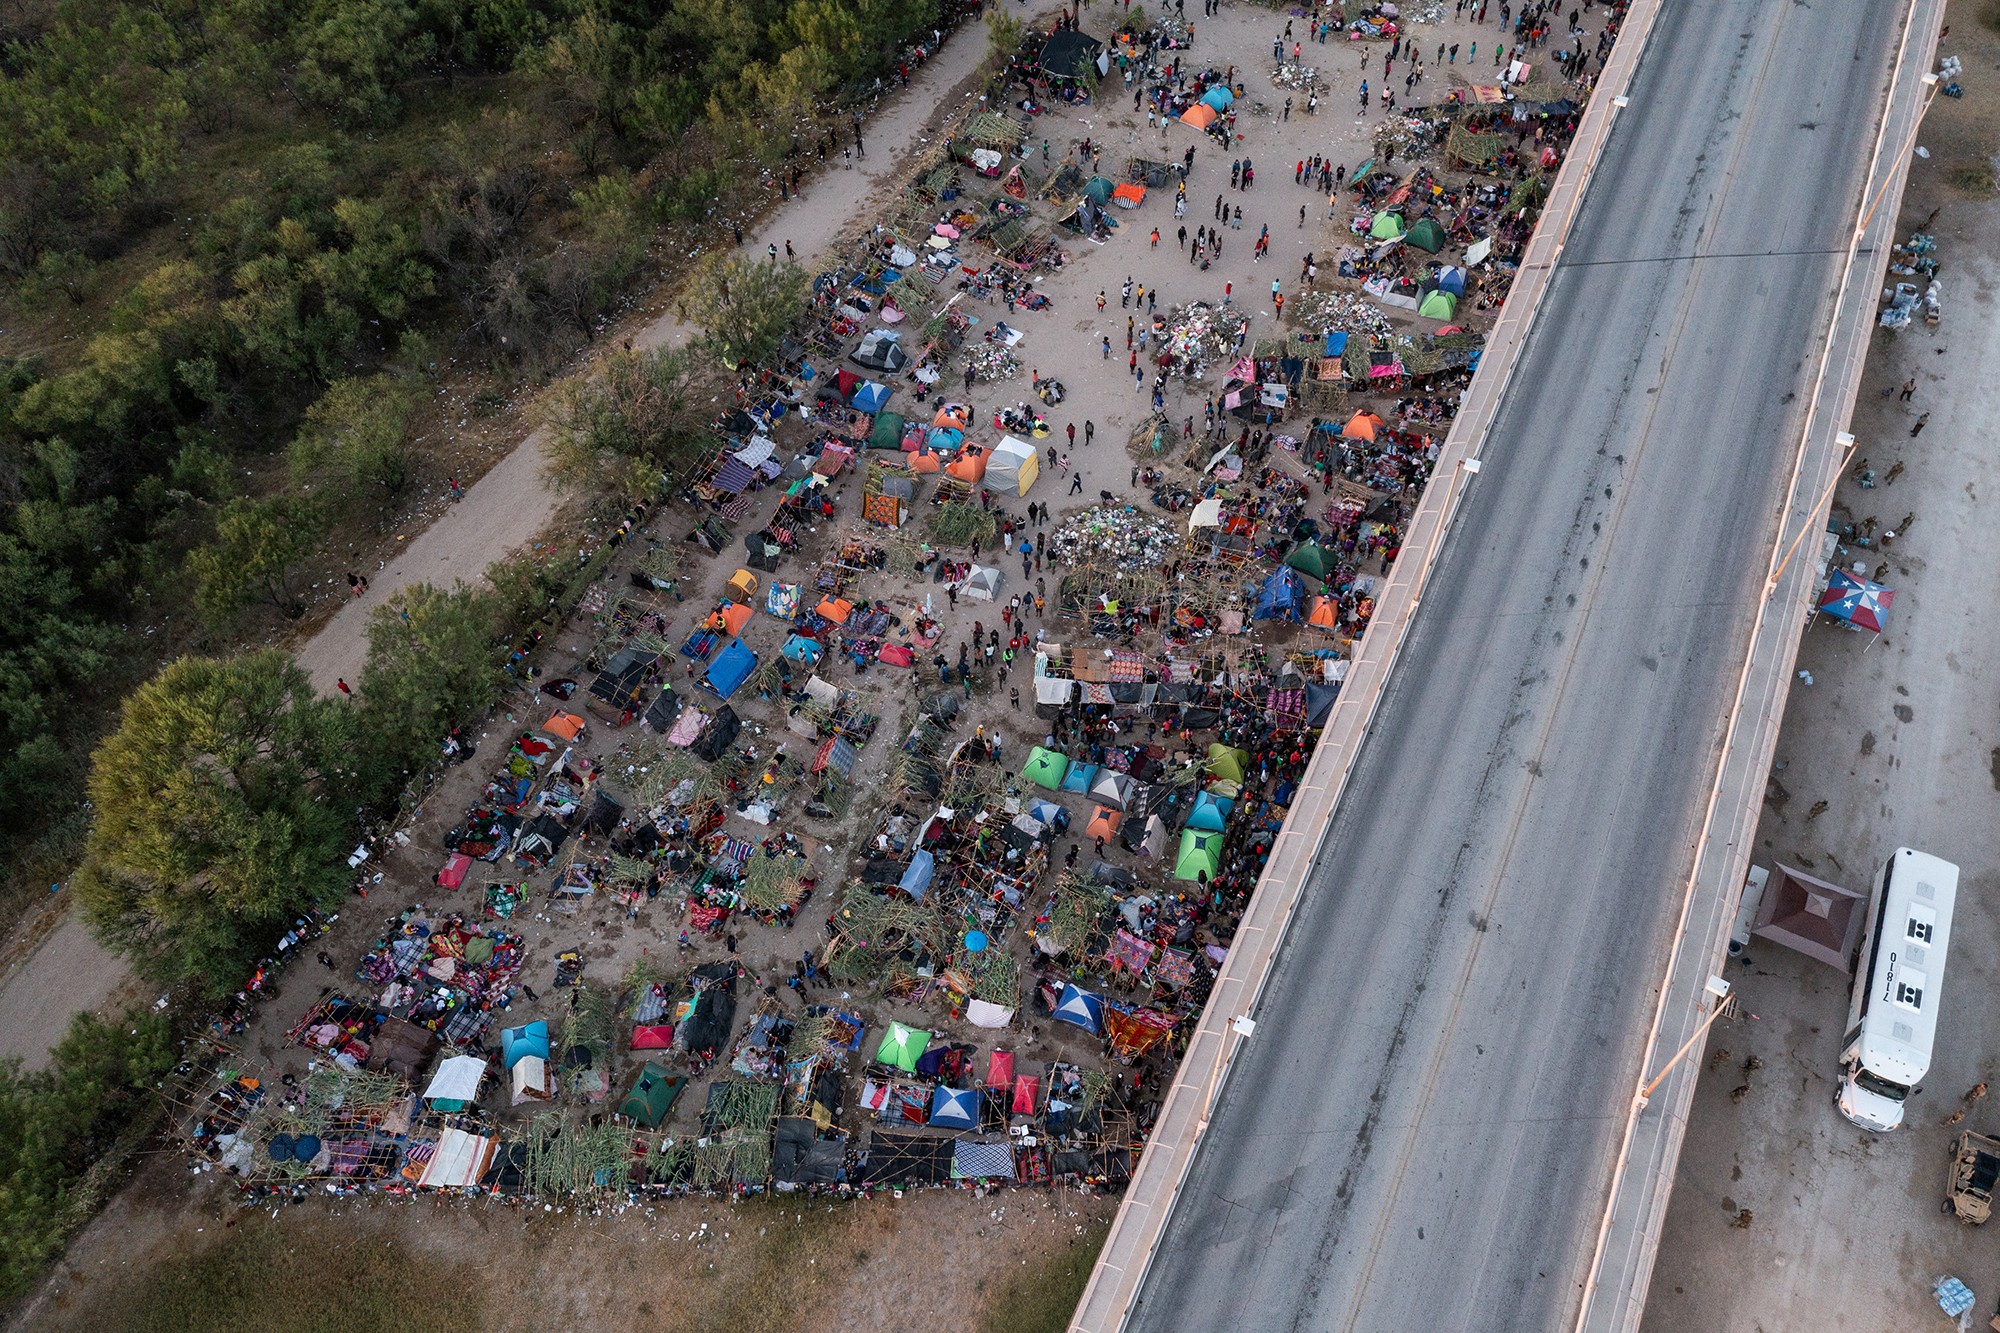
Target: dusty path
[(514, 501)]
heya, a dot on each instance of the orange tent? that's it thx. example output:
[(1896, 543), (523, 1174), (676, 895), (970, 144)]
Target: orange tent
[(953, 416), (1103, 823), (1325, 614), (836, 609), (566, 725), (1201, 115), (925, 462), (1361, 426), (736, 615), (970, 465)]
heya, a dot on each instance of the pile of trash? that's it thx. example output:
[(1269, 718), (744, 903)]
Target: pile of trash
[(991, 361), (1299, 77), (1341, 312), (1199, 334), (1124, 537), (1428, 14)]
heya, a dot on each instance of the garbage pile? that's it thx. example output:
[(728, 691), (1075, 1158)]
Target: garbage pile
[(991, 361), (1342, 312), (1299, 77), (1123, 537), (1198, 335)]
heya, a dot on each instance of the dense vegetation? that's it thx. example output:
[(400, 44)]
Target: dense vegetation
[(241, 240)]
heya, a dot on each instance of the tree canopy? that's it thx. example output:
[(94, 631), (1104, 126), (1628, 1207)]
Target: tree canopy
[(221, 813), (745, 305), (434, 662)]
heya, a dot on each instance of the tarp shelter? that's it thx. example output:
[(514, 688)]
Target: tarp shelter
[(1319, 702), (1438, 304), (1200, 854), (566, 725), (1226, 762), (1387, 226), (1206, 514), (888, 431), (985, 1014), (1811, 916), (1426, 235), (1856, 601), (871, 397), (1477, 251), (660, 716), (458, 1161), (652, 1096), (878, 350), (1068, 53), (954, 1108), (1128, 195), (1013, 467), (1451, 279), (1201, 115), (916, 881), (730, 669), (902, 1046), (526, 1040), (981, 583), (1080, 1008), (1282, 596), (452, 873), (1361, 426), (1045, 768), (455, 1086), (1114, 789), (402, 1048), (1313, 559)]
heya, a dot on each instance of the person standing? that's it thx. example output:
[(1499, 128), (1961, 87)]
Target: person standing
[(1909, 387), (1089, 429), (1918, 429)]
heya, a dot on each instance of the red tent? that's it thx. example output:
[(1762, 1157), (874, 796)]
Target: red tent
[(1000, 1069), (653, 1037), (1026, 1086)]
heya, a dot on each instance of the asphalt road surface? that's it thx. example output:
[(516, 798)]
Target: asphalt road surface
[(1422, 1130)]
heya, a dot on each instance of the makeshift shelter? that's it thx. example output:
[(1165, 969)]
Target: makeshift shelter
[(1282, 596), (1068, 53), (916, 881), (1114, 789), (458, 1161), (1438, 304), (981, 584), (871, 397), (1426, 235), (730, 669), (1856, 601), (902, 1046), (1013, 466), (401, 1047), (955, 1108), (652, 1096), (1811, 916), (1200, 855), (455, 1086), (530, 1081), (1045, 768), (1319, 702), (1080, 1009)]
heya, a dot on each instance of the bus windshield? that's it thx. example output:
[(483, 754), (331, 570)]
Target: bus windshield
[(1880, 1086)]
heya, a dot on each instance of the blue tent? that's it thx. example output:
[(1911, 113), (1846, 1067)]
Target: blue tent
[(1219, 97), (1079, 777), (916, 881), (1210, 812), (871, 397), (1081, 1008), (801, 649), (1451, 279), (528, 1039), (955, 1108), (1281, 596), (1049, 813), (944, 438), (730, 668)]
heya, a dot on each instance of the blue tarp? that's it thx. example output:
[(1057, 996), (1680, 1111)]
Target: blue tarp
[(730, 669), (1336, 343), (916, 881), (955, 1108), (529, 1039), (1079, 777), (1219, 97), (871, 397), (801, 649), (1081, 1008), (1281, 596)]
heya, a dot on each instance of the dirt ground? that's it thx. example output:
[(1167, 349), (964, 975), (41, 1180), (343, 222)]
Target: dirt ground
[(155, 1218)]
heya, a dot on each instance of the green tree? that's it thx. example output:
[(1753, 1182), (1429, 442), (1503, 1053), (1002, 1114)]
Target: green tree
[(257, 548), (648, 408), (355, 438), (223, 809), (353, 53), (745, 305), (434, 663), (93, 1099)]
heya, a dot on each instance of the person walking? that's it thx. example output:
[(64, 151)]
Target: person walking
[(348, 690), (1918, 429), (1072, 444), (1075, 488), (1909, 387), (1089, 429)]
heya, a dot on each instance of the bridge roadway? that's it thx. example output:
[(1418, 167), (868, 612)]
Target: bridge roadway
[(1422, 1130)]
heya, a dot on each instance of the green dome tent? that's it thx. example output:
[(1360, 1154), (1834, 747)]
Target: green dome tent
[(1313, 559), (888, 431), (1045, 768), (652, 1096), (1426, 235), (1438, 305), (1226, 762), (902, 1047), (1099, 189), (1387, 226), (1200, 854)]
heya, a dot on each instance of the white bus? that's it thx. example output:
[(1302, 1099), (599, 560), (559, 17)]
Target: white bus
[(1892, 1020)]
